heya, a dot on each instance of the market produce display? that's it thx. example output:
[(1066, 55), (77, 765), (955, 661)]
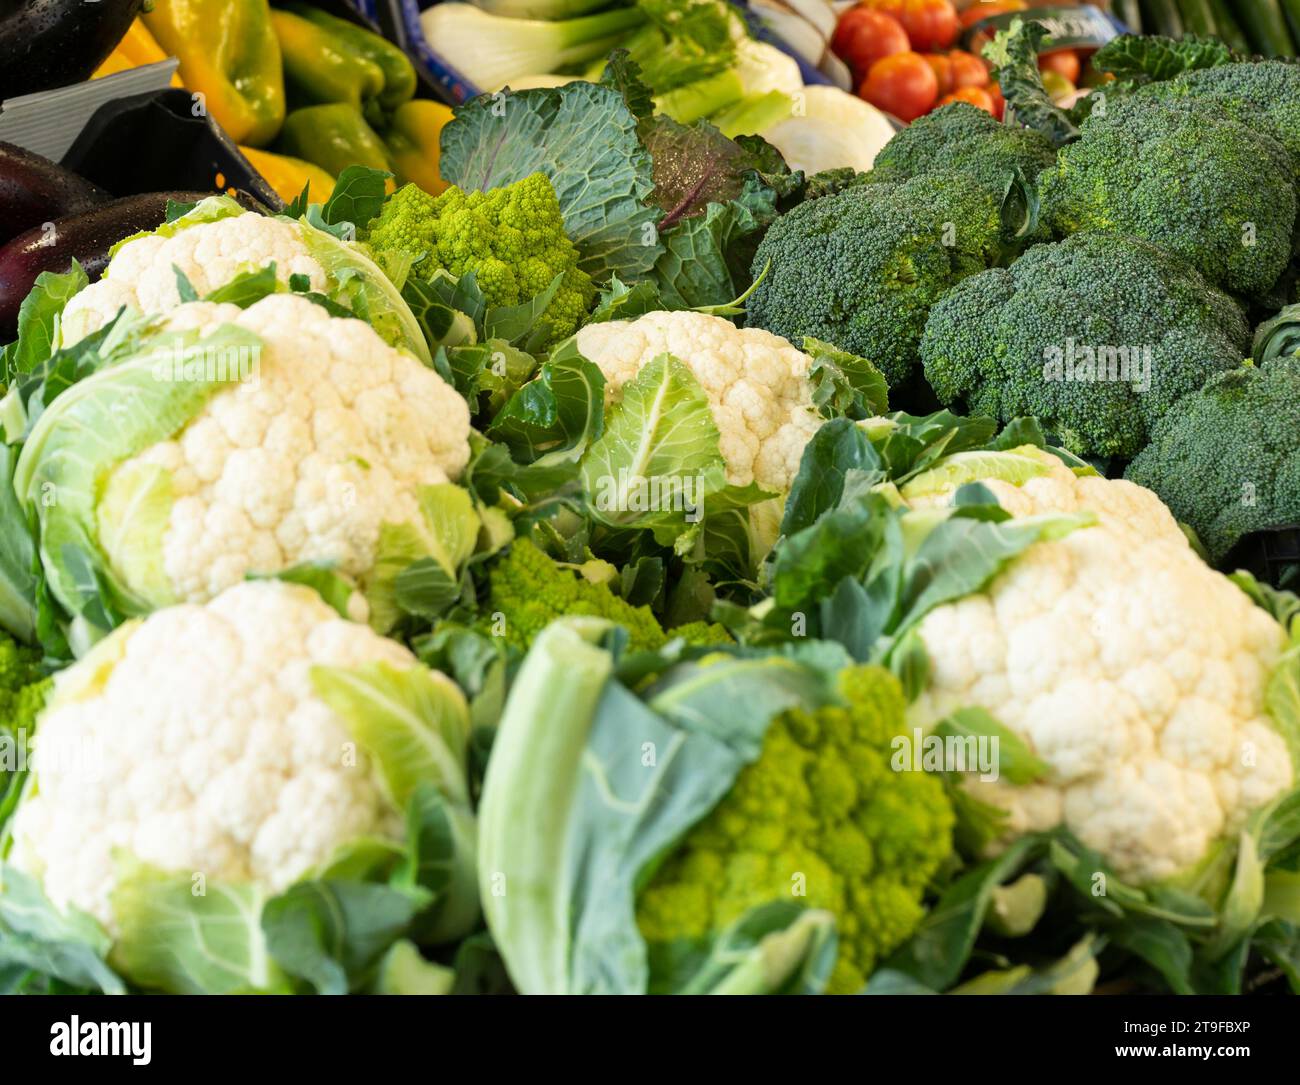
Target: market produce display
[(575, 546)]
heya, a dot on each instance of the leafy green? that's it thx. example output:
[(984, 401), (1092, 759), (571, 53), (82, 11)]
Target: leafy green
[(414, 724), (38, 321), (358, 194), (584, 138), (180, 933), (561, 902), (35, 936)]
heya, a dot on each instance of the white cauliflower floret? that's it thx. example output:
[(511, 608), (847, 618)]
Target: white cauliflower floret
[(195, 742), (142, 274), (756, 383), (1129, 667), (333, 437)]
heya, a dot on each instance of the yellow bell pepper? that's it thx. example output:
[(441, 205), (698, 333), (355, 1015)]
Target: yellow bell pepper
[(334, 137), (135, 50), (230, 55), (289, 176), (413, 143)]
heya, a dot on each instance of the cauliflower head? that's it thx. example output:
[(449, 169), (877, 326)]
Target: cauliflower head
[(821, 813), (142, 273), (332, 437), (510, 238), (196, 741), (757, 385), (1128, 666), (216, 243)]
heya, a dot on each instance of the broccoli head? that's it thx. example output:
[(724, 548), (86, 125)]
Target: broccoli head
[(1265, 93), (820, 814), (511, 238), (861, 269), (965, 139), (1097, 335), (1226, 460), (527, 591), (1212, 189)]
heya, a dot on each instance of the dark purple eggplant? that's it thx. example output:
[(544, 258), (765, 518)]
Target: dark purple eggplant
[(34, 190), (54, 43), (86, 237)]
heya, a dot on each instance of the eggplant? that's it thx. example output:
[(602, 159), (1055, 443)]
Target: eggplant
[(54, 43), (34, 190), (86, 237)]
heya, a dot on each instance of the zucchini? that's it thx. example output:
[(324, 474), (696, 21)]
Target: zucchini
[(1198, 18), (1229, 29), (1161, 17), (1265, 26), (1291, 9), (1129, 12)]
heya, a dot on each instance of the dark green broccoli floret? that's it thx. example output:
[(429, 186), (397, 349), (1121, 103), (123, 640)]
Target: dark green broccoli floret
[(965, 139), (861, 269), (1096, 335), (1214, 190), (1267, 89), (1226, 460)]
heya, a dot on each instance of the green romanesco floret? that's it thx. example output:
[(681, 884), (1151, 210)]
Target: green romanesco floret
[(1226, 460), (22, 685), (1212, 189), (23, 690), (511, 238), (861, 269), (528, 591), (821, 815), (1096, 336), (963, 138)]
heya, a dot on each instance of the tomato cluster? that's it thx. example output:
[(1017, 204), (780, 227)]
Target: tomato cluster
[(903, 57)]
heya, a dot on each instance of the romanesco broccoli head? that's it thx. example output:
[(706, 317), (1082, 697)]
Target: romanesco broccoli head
[(528, 590), (1211, 189), (820, 814), (1226, 459), (22, 686), (1097, 336), (23, 690), (511, 238)]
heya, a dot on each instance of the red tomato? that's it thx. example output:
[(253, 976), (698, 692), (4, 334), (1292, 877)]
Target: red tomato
[(976, 96), (1064, 61), (903, 84), (968, 70), (985, 8), (931, 25), (870, 36), (999, 103), (942, 66)]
